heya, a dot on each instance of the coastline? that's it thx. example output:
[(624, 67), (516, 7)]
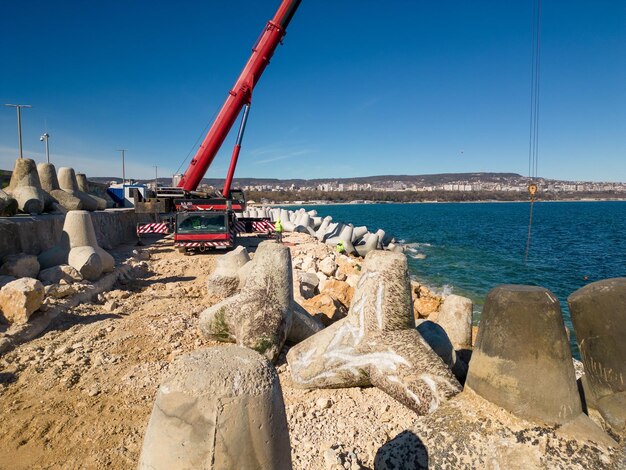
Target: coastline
[(384, 203)]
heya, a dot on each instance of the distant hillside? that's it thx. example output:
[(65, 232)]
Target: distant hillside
[(436, 179)]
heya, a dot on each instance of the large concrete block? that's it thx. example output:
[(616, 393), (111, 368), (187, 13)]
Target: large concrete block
[(84, 246), (220, 408), (20, 265), (69, 184), (83, 185), (599, 315), (522, 361), (260, 316), (25, 187), (377, 343), (50, 183)]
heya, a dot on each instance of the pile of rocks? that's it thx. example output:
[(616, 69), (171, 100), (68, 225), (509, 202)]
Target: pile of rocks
[(27, 280), (35, 189)]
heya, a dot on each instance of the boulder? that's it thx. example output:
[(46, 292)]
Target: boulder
[(309, 283), (522, 338), (20, 299), (327, 266), (340, 291), (218, 408), (260, 316), (377, 344), (598, 313), (8, 205), (224, 281), (55, 256), (20, 265), (455, 316), (326, 309), (56, 274)]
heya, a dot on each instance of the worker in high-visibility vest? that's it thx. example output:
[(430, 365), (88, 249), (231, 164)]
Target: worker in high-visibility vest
[(278, 228), (340, 248)]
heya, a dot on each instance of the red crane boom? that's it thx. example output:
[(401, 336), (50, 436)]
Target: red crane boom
[(239, 96)]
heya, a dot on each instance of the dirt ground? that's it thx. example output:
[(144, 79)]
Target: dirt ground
[(80, 395)]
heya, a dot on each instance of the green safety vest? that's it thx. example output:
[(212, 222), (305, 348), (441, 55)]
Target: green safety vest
[(278, 227)]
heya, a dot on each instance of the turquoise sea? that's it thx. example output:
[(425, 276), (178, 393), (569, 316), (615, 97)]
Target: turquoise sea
[(470, 248)]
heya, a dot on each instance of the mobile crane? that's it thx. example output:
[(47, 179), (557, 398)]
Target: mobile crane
[(211, 222)]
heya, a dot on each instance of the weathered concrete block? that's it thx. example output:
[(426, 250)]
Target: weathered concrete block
[(50, 184), (303, 325), (83, 185), (25, 187), (80, 233), (87, 261), (377, 344), (225, 280), (599, 315), (69, 184), (521, 339), (259, 317), (20, 265), (439, 341), (455, 316), (220, 408), (20, 299)]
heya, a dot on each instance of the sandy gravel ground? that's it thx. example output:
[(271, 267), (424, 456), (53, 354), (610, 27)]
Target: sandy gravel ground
[(80, 395)]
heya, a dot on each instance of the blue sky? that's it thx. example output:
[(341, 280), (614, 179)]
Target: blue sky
[(359, 88)]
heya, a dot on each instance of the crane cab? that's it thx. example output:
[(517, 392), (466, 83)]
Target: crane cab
[(204, 230)]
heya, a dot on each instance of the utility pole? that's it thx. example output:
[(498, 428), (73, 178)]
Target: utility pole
[(156, 178), (123, 166), (19, 124), (44, 138)]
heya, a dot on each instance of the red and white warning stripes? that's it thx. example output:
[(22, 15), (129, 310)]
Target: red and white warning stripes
[(152, 228), (224, 244), (262, 226)]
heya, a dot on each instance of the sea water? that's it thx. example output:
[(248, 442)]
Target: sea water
[(469, 248)]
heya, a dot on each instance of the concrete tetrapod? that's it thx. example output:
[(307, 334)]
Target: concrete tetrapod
[(260, 316), (599, 315), (50, 183), (220, 408), (69, 184), (25, 187), (83, 185), (85, 254), (370, 244), (377, 343), (224, 280), (522, 337)]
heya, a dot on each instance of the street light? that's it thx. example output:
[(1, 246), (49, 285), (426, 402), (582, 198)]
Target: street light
[(44, 138), (123, 166), (19, 123)]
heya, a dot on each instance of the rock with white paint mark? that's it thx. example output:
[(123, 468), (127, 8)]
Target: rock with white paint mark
[(20, 299), (260, 316), (599, 315), (219, 408), (377, 344)]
